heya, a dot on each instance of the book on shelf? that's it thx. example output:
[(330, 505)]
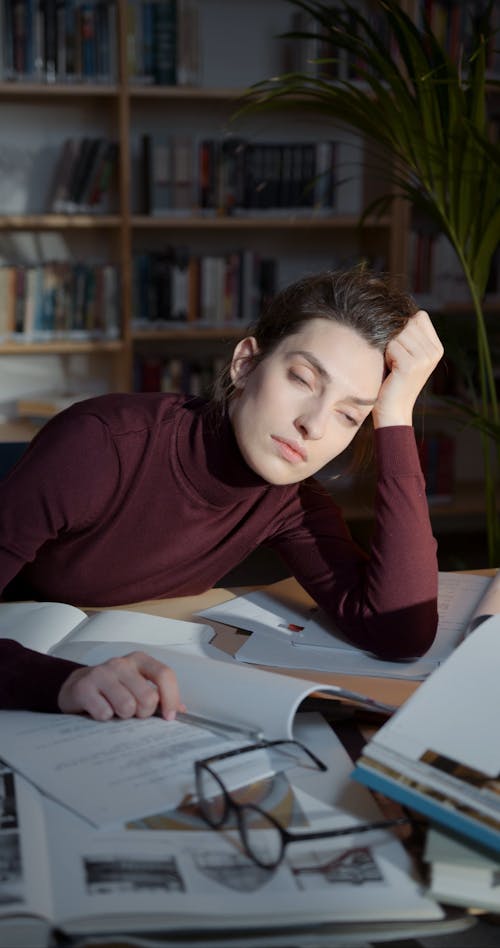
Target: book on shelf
[(167, 175), (8, 278), (162, 42), (132, 854), (289, 631), (157, 173), (165, 42), (83, 176), (445, 765)]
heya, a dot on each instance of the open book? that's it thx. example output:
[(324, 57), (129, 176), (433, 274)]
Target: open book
[(102, 773), (439, 753), (169, 873), (289, 631)]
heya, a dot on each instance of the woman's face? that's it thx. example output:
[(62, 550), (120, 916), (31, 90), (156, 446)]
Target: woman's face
[(302, 405)]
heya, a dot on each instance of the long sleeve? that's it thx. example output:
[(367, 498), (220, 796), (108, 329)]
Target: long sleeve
[(385, 602), (30, 680)]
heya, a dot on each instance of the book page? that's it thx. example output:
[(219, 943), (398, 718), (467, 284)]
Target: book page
[(25, 886), (118, 769), (489, 604), (38, 625), (122, 625), (173, 871), (45, 626)]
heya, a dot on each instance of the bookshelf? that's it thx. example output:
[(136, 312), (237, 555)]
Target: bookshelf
[(43, 114), (37, 116)]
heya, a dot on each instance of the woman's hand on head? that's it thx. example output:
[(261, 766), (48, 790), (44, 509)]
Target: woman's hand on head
[(135, 685), (411, 357)]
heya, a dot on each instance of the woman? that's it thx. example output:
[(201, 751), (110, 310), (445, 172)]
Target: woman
[(130, 497)]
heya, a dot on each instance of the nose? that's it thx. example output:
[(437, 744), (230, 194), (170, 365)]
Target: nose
[(311, 423)]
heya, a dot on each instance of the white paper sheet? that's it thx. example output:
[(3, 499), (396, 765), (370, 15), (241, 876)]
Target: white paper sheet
[(302, 638)]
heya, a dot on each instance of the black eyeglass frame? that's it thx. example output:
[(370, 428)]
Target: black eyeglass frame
[(239, 809)]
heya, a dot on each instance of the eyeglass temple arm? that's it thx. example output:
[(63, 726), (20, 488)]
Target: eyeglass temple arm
[(346, 830)]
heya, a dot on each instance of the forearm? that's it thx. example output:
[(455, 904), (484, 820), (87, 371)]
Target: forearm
[(30, 680), (402, 575), (384, 602)]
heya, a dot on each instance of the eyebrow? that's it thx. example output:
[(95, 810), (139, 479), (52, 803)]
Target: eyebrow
[(322, 372)]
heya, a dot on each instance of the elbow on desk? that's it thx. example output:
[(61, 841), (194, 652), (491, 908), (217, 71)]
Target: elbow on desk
[(403, 635)]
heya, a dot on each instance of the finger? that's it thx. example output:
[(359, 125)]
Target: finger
[(128, 688), (113, 688), (166, 683), (419, 335), (80, 694)]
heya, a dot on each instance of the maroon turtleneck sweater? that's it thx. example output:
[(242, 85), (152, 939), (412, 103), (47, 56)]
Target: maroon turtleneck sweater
[(130, 497)]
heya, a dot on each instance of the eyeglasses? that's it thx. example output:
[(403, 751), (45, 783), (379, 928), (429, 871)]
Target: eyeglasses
[(216, 803)]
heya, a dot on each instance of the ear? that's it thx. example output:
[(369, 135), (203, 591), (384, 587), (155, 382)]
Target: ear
[(242, 361)]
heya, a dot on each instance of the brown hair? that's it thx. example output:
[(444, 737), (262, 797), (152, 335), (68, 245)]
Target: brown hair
[(359, 298)]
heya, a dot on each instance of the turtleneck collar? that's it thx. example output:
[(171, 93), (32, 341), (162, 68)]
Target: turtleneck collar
[(210, 457)]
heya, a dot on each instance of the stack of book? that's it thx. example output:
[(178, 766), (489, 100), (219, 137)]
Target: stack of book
[(438, 756)]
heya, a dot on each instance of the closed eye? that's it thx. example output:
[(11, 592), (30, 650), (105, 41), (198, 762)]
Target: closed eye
[(299, 378), (355, 422)]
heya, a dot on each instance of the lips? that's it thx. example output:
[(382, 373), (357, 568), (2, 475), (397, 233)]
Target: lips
[(290, 450)]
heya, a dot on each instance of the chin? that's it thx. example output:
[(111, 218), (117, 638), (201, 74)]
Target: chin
[(279, 478)]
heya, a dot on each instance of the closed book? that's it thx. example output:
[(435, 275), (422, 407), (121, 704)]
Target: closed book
[(8, 295), (58, 199), (157, 160), (165, 42), (188, 43)]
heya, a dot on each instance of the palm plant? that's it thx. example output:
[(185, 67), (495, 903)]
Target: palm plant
[(429, 114)]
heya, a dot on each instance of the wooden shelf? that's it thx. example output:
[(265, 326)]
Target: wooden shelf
[(29, 222), (292, 221), (185, 93), (193, 333), (49, 90), (62, 346)]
